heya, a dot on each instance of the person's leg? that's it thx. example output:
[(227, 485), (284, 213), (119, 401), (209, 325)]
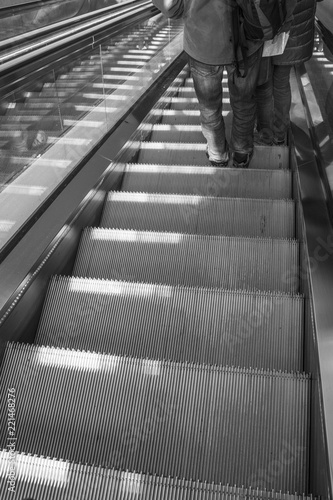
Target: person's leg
[(264, 103), (243, 105), (282, 102), (207, 81)]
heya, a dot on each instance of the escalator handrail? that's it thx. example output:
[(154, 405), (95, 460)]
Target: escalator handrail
[(325, 34), (19, 6), (55, 27)]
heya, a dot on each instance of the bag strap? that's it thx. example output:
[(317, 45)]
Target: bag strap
[(282, 16), (239, 42)]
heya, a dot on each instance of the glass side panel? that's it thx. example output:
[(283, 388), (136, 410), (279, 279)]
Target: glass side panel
[(320, 100), (320, 71), (46, 129)]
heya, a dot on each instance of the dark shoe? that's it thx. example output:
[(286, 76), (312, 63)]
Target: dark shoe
[(264, 137), (241, 160), (223, 163), (219, 163)]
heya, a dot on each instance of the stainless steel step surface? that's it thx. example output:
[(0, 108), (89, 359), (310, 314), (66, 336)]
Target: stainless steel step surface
[(208, 181), (188, 102), (214, 424), (265, 264), (210, 326), (199, 214), (39, 477), (175, 133), (181, 153)]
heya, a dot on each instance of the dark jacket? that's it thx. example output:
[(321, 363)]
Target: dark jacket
[(208, 36), (301, 39)]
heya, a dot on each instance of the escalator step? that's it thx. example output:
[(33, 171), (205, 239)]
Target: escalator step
[(193, 260), (175, 116), (208, 181), (177, 153), (159, 417), (114, 86), (188, 91), (247, 329), (40, 477), (189, 103), (199, 215), (272, 157), (174, 133)]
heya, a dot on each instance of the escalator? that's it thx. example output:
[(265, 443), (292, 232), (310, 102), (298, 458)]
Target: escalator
[(170, 362)]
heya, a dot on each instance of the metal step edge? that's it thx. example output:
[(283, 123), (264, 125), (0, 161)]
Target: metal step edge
[(220, 326), (14, 347), (182, 256), (193, 169), (55, 478), (193, 145), (87, 426), (175, 236), (143, 195), (276, 294), (208, 180), (264, 157), (199, 214)]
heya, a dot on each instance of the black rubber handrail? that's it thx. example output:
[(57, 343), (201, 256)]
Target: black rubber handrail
[(24, 5)]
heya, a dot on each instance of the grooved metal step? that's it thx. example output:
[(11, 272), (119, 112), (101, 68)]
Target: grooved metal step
[(213, 424), (208, 181), (182, 117), (194, 260), (189, 102), (175, 133), (197, 325), (47, 478), (192, 153), (199, 215)]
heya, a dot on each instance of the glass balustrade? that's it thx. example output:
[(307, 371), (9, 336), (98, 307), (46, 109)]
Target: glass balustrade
[(50, 125)]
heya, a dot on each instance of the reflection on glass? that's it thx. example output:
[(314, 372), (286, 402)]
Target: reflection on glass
[(320, 72), (48, 127)]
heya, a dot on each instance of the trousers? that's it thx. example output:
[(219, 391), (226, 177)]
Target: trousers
[(208, 87), (273, 100)]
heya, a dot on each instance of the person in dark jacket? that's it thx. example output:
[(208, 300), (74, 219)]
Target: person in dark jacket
[(274, 95), (209, 44)]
